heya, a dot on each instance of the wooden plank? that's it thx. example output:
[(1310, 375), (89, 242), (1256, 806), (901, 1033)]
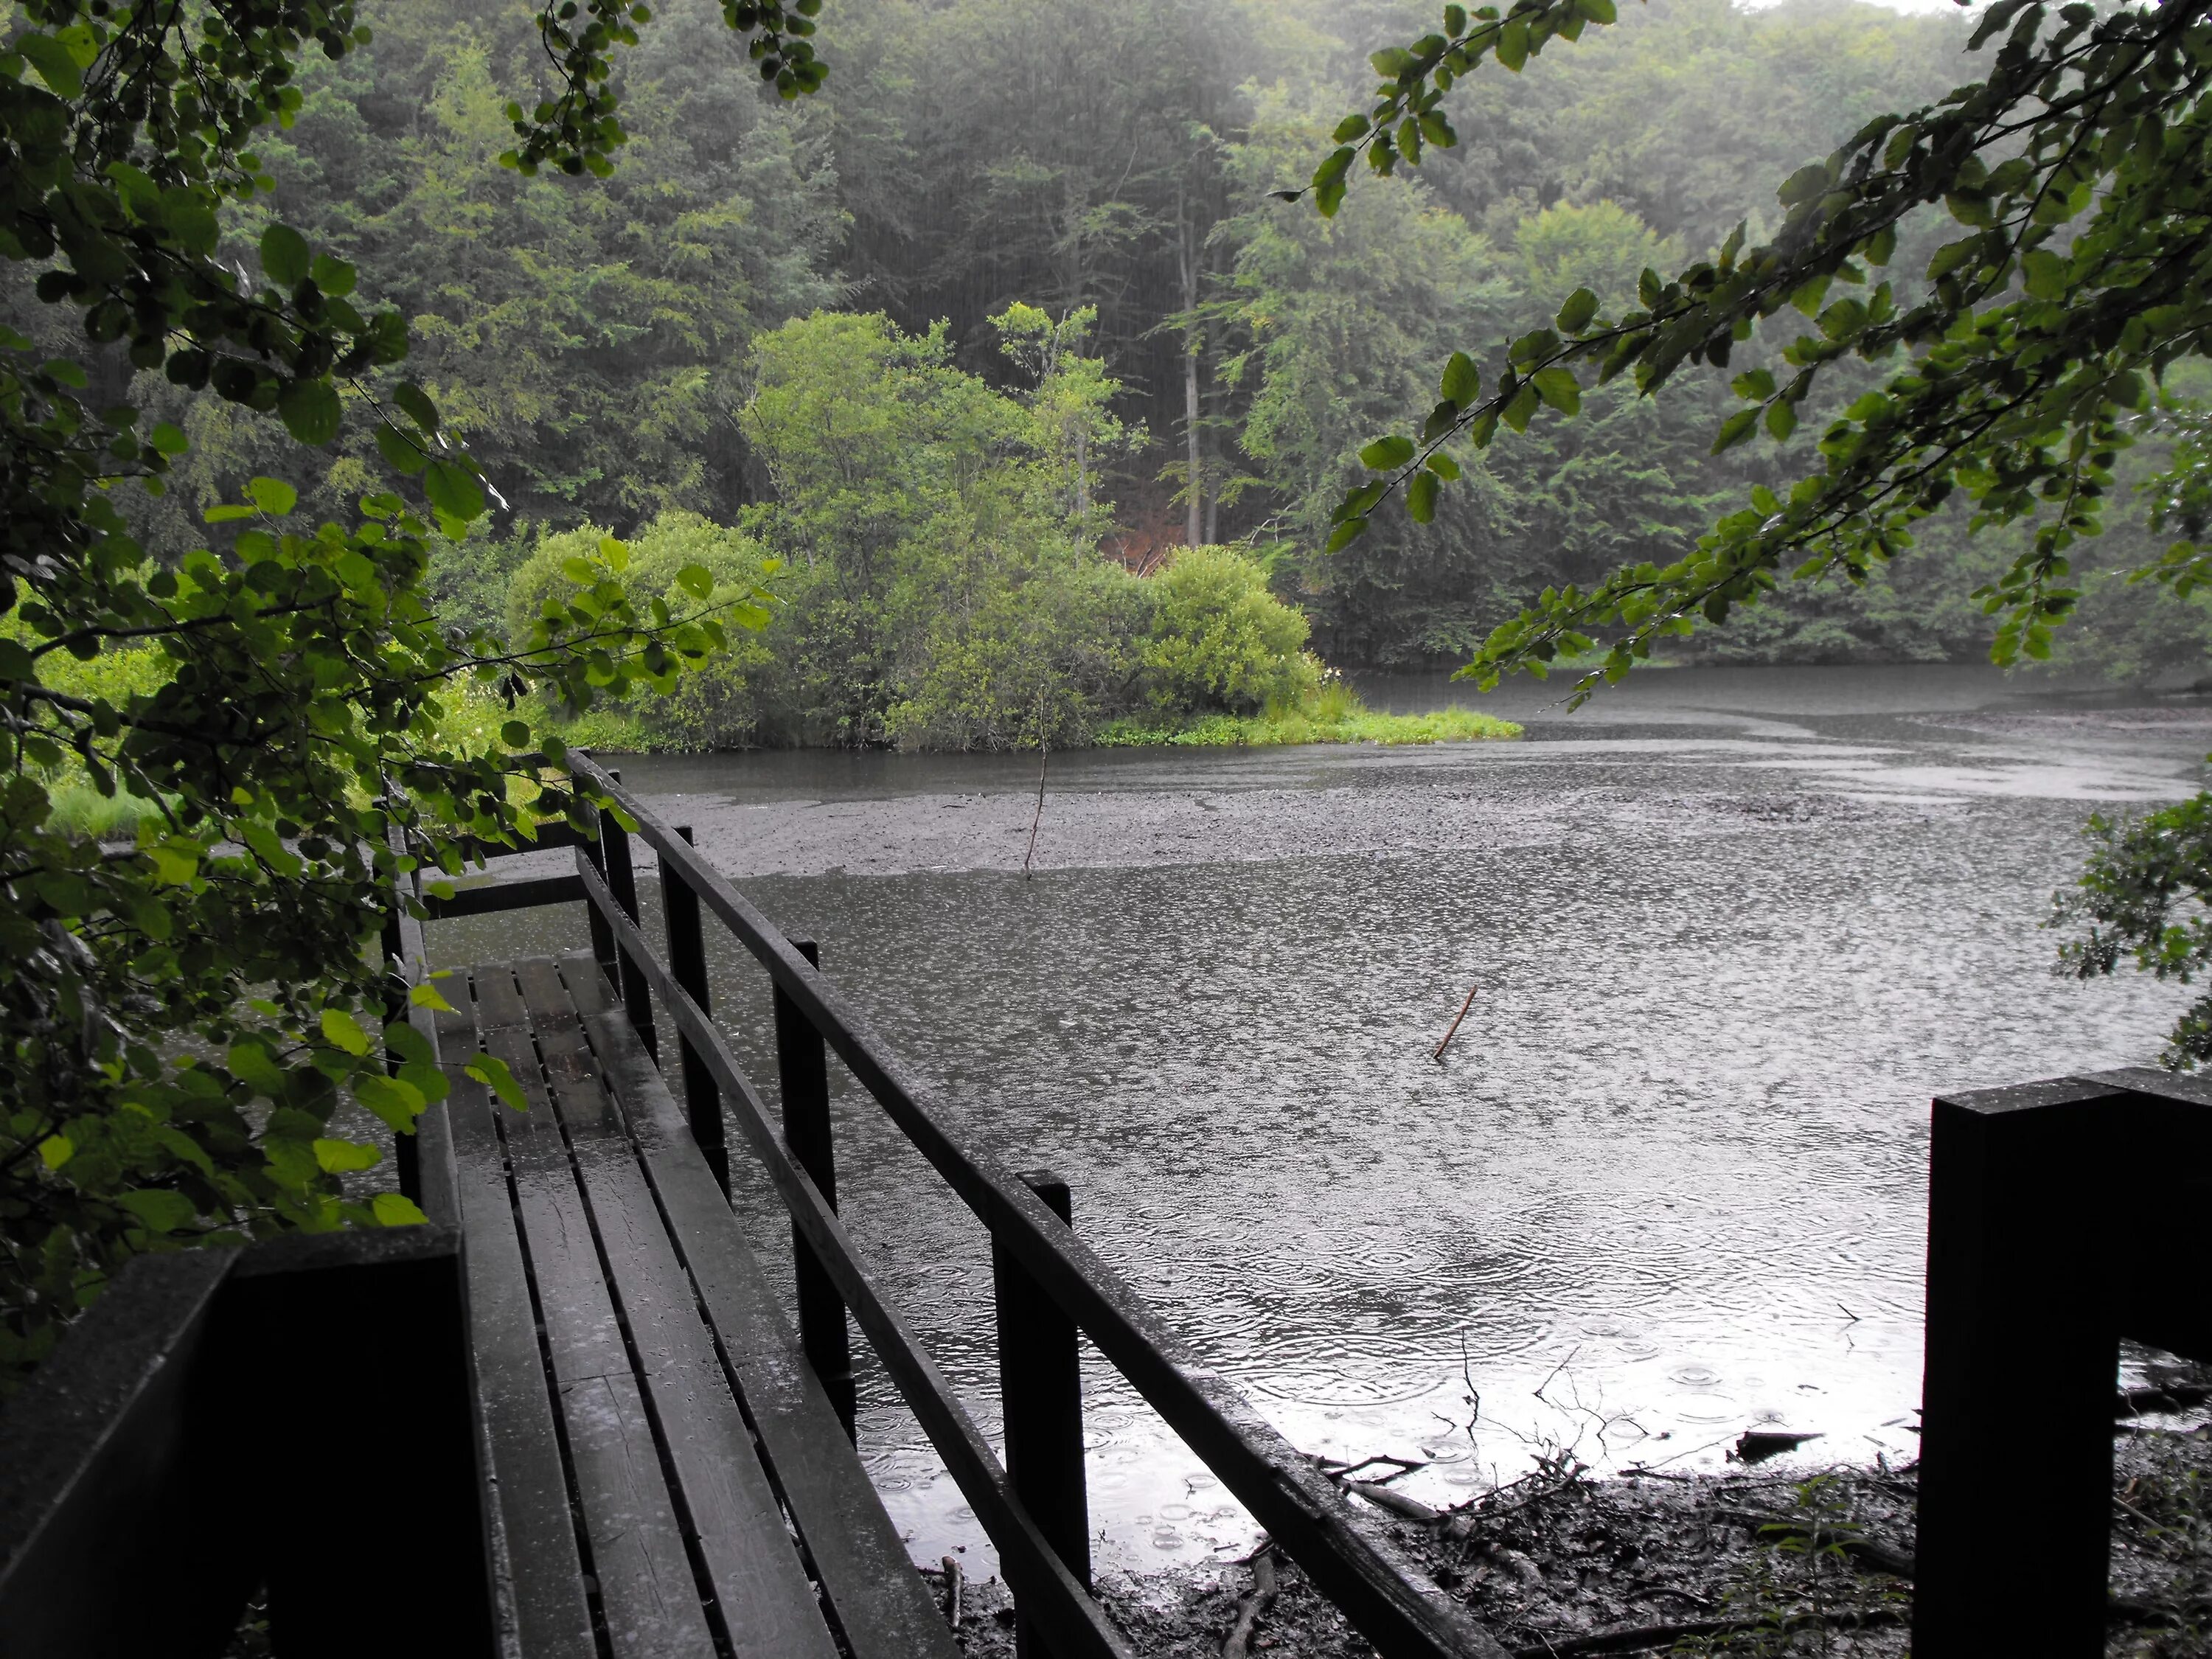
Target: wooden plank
[(881, 1604), (539, 1600), (1063, 1610), (492, 898), (1363, 1573), (649, 1595), (768, 1605)]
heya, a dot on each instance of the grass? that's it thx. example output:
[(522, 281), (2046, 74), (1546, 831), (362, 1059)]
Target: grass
[(76, 808), (1333, 714)]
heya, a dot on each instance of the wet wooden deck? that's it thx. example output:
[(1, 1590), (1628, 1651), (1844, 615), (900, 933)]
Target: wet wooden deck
[(667, 1472)]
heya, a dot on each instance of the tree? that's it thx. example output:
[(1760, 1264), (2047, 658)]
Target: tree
[(186, 1011), (2033, 345)]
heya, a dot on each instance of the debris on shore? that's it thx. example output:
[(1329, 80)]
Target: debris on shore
[(1753, 1562)]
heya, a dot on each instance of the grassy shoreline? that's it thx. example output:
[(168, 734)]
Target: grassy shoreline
[(80, 808), (1453, 725)]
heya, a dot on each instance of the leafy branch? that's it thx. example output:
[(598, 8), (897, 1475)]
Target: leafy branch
[(2074, 168)]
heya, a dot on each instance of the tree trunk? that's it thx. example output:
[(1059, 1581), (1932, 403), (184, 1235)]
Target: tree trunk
[(1194, 478)]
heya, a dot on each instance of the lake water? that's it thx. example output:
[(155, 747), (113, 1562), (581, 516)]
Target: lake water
[(1728, 930)]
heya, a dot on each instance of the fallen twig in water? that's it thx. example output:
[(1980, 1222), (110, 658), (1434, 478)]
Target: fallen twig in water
[(953, 1580), (1439, 1055), (1239, 1644), (1044, 759)]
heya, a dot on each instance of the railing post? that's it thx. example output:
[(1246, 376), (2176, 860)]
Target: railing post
[(803, 1066), (1041, 1397), (603, 935), (687, 962), (621, 882), (406, 1150)]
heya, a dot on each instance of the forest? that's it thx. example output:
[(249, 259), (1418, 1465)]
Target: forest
[(941, 372)]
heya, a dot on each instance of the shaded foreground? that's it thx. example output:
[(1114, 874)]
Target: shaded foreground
[(1748, 1563)]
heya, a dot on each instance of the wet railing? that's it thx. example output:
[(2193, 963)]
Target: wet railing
[(2063, 1216), (1050, 1286)]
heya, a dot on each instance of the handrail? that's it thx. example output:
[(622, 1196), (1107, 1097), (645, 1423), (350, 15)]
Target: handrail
[(1361, 1574), (1032, 1567)]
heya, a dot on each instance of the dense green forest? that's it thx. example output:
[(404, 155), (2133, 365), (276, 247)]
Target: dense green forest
[(961, 351)]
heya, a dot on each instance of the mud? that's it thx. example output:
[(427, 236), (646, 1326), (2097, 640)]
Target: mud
[(1560, 1563)]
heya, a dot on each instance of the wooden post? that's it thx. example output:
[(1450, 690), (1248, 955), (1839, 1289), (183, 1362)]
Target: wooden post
[(1041, 1394), (802, 1064), (2061, 1215), (603, 935), (621, 882), (406, 1149), (687, 962)]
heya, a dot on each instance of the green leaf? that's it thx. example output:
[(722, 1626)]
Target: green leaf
[(398, 1104), (1384, 454), (696, 580), (159, 1210), (344, 1031), (453, 490), (391, 1210), (55, 1151), (427, 995), (401, 453), (251, 1062), (491, 1071), (1522, 405), (1462, 380), (1345, 534), (1351, 127), (416, 402), (2045, 273), (1513, 45), (1557, 387), (1421, 497), (1442, 465), (1734, 430), (175, 860), (285, 257), (310, 409), (345, 1157), (1575, 315), (334, 276), (54, 64), (272, 495), (1781, 420)]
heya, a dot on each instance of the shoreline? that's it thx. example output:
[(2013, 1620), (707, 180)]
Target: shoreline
[(1560, 1563)]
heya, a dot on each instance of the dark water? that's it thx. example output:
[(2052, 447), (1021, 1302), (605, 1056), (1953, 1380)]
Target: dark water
[(1729, 930)]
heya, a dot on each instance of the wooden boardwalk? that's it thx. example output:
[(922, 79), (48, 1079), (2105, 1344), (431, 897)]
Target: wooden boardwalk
[(648, 1412)]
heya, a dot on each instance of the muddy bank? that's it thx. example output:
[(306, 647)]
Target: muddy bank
[(1750, 1563)]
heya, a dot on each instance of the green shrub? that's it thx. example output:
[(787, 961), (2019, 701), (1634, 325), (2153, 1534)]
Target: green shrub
[(1052, 656), (1220, 641), (716, 708)]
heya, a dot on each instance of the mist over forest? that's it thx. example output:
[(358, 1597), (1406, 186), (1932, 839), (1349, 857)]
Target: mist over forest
[(971, 341)]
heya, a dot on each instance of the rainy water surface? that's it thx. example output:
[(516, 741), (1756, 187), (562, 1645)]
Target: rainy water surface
[(1727, 932)]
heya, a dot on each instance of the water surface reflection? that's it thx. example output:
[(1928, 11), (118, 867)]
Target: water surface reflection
[(1731, 930)]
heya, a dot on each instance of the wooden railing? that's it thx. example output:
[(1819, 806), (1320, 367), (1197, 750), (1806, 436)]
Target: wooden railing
[(2062, 1216), (1050, 1284)]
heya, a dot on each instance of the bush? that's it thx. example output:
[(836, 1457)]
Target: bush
[(1220, 641), (716, 708), (1051, 657)]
